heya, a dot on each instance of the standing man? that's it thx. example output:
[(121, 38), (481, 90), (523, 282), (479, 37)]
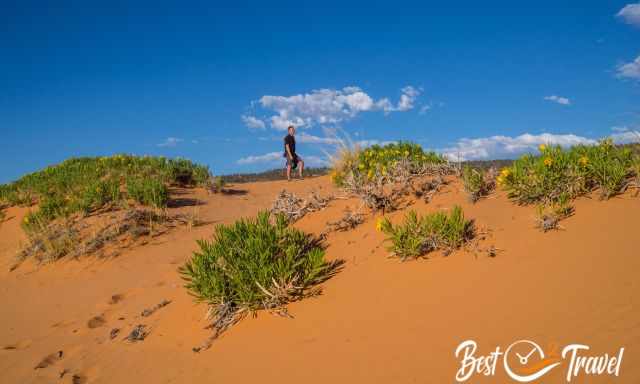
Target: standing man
[(290, 153)]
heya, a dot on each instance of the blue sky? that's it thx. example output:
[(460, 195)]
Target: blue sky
[(216, 82)]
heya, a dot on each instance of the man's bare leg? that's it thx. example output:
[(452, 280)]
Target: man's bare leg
[(301, 165), (288, 172)]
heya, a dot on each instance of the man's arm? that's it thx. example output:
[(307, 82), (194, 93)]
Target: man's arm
[(288, 151)]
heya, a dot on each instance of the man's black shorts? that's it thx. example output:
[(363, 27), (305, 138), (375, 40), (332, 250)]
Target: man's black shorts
[(293, 162)]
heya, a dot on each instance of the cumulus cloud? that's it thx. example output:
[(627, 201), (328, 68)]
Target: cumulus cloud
[(330, 106), (625, 136), (270, 157), (629, 70), (273, 158), (312, 139), (253, 122), (630, 14), (170, 142), (558, 99), (496, 147), (425, 108)]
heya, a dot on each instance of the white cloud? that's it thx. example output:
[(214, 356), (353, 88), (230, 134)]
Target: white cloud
[(270, 157), (496, 147), (170, 142), (630, 14), (558, 99), (311, 139), (330, 106), (620, 129), (626, 136), (629, 70), (409, 95), (252, 122), (315, 161), (425, 108)]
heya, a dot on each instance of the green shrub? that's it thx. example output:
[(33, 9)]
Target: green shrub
[(572, 172), (148, 191), (218, 185), (417, 236), (97, 195), (254, 264), (89, 183), (477, 183), (377, 160)]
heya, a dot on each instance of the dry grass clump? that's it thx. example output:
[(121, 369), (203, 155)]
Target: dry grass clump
[(478, 183), (548, 216), (51, 243), (348, 221), (382, 176), (293, 208), (387, 191), (254, 264), (74, 238), (216, 185), (417, 236)]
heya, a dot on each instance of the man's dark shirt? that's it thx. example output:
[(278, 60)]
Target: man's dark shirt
[(292, 145)]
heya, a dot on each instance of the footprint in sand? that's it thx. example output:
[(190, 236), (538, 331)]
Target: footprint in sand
[(96, 321), (19, 345), (49, 360), (73, 379), (115, 299)]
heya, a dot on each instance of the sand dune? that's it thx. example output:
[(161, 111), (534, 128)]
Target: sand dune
[(378, 321)]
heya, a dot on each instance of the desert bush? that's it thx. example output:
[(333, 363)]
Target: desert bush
[(293, 208), (50, 242), (417, 236), (477, 183), (89, 183), (148, 191), (184, 172), (217, 185), (550, 215), (98, 194), (572, 172), (254, 264), (377, 161)]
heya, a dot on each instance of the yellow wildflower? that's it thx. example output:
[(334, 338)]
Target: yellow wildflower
[(26, 219), (548, 161), (406, 153), (379, 224), (370, 174), (505, 172), (500, 180), (542, 147), (583, 160)]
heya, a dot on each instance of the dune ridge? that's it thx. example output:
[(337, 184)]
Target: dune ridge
[(378, 321)]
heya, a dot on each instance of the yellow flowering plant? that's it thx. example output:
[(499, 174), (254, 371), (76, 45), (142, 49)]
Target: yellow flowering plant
[(568, 172)]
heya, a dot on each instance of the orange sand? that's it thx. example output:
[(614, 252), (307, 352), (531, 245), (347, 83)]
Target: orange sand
[(378, 321)]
